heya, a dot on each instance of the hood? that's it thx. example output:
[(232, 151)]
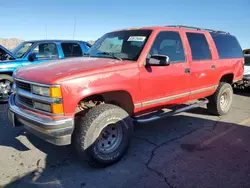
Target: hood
[(8, 52), (54, 72)]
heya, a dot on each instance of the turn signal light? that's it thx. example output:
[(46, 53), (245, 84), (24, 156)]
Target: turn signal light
[(55, 92), (57, 108)]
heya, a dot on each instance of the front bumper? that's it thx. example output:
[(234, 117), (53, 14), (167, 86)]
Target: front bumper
[(57, 132)]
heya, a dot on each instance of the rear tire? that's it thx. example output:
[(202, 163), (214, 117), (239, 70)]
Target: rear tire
[(221, 101), (103, 135)]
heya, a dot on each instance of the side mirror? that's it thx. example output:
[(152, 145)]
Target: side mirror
[(158, 60), (32, 57)]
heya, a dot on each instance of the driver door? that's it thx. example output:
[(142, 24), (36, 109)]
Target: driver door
[(167, 84), (44, 52)]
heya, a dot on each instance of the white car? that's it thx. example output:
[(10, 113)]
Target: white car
[(245, 82), (247, 65), (246, 76)]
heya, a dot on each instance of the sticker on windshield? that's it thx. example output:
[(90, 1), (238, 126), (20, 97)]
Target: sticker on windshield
[(137, 38)]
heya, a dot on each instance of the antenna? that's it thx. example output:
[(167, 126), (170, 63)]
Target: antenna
[(46, 30), (74, 28)]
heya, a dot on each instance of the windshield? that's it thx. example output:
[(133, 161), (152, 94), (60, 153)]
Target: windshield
[(247, 60), (21, 49), (123, 45)]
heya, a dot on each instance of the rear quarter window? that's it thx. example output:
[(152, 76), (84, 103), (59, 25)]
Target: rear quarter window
[(227, 46)]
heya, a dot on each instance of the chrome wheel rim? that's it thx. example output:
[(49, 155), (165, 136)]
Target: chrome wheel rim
[(5, 89), (110, 138), (224, 100)]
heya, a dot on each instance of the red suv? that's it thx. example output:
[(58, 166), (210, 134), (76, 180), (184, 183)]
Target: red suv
[(93, 101)]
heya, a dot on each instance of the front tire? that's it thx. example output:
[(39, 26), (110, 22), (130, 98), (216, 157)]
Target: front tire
[(6, 82), (221, 101), (103, 135)]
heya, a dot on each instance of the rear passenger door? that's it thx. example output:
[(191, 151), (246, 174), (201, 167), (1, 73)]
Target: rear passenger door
[(71, 49), (202, 66)]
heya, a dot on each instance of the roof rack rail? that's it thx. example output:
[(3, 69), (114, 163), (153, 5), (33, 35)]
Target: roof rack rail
[(198, 28)]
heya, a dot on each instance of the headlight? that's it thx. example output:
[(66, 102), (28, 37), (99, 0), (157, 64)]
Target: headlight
[(43, 91), (42, 106), (54, 92), (52, 108), (50, 92)]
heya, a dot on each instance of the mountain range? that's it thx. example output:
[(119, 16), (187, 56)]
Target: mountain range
[(10, 43)]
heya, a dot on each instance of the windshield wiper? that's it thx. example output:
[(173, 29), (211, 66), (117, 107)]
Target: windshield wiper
[(111, 54)]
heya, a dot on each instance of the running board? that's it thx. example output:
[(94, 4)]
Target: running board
[(197, 104)]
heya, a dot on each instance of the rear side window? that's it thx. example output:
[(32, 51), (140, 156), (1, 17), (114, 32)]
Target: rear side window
[(71, 50), (199, 46), (227, 46)]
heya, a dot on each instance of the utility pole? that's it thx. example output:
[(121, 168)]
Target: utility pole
[(74, 28)]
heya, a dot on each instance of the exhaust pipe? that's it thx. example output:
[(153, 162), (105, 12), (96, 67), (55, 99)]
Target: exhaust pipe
[(200, 103)]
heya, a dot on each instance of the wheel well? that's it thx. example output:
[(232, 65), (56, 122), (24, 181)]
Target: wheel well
[(120, 98), (227, 78)]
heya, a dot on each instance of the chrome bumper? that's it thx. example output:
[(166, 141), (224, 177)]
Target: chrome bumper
[(57, 132)]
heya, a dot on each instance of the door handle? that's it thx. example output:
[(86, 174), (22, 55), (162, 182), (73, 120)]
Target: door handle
[(187, 70), (213, 67)]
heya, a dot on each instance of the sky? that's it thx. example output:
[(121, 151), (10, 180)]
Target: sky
[(30, 19)]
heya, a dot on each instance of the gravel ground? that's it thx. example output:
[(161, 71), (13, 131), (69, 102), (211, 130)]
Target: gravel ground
[(191, 149)]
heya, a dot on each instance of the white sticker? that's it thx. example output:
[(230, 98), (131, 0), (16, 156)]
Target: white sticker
[(136, 38)]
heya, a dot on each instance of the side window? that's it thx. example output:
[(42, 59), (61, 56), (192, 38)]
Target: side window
[(227, 46), (71, 50), (46, 51), (169, 43), (199, 46)]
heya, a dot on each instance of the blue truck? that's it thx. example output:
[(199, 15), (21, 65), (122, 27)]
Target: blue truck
[(30, 52)]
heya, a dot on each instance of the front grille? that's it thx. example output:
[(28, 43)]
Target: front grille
[(25, 101), (23, 85)]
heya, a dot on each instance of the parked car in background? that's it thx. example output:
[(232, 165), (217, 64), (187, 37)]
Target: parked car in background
[(245, 82), (247, 65), (93, 101), (31, 52)]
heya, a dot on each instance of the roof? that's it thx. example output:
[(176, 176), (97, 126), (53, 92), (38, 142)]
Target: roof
[(56, 40), (176, 26)]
